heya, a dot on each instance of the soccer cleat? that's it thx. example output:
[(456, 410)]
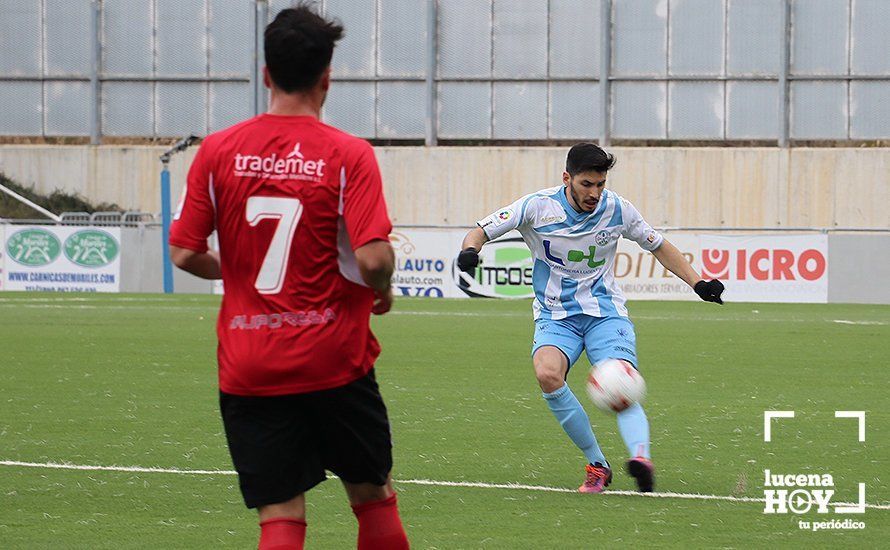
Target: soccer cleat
[(643, 471), (598, 478)]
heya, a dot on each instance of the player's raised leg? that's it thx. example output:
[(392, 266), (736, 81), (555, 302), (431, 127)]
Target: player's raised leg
[(551, 365), (634, 428), (614, 338)]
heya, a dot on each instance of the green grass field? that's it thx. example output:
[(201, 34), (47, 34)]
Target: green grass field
[(131, 381)]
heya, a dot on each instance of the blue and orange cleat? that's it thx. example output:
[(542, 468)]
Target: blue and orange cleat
[(598, 478), (643, 471)]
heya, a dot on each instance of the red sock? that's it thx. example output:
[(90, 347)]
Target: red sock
[(282, 534), (379, 526)]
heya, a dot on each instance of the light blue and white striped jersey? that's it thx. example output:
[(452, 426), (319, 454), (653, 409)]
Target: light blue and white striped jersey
[(573, 252)]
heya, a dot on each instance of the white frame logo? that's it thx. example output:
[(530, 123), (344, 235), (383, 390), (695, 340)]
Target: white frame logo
[(801, 492)]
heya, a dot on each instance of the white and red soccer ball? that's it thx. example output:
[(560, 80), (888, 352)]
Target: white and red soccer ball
[(614, 386)]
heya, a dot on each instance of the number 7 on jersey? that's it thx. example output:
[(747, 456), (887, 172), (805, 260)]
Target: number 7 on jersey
[(287, 211)]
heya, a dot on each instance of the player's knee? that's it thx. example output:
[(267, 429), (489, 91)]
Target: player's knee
[(550, 377), (363, 493), (550, 368)]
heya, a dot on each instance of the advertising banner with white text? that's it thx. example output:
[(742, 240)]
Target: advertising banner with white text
[(61, 258), (759, 268), (768, 268), (425, 262)]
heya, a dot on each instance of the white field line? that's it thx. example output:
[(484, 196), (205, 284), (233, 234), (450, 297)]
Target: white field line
[(425, 482), (638, 317), (111, 307), (157, 305), (72, 299), (214, 307)]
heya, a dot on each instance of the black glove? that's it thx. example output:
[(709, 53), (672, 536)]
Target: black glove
[(709, 291), (468, 259)]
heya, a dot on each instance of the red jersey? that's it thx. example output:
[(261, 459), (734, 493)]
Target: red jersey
[(290, 199)]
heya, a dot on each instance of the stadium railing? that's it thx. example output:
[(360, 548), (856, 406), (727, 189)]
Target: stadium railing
[(130, 218)]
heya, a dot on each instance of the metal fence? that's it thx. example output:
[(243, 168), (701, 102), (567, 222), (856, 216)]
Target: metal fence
[(462, 70)]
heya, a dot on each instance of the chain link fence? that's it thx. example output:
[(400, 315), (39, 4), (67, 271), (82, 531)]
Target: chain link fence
[(461, 71)]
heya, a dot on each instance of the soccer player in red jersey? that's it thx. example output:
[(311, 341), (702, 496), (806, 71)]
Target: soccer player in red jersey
[(305, 259)]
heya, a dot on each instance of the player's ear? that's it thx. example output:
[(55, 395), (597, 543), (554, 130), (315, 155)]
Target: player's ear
[(325, 79), (566, 178), (267, 80)]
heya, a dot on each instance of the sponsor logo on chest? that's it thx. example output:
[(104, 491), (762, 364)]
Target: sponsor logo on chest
[(293, 166)]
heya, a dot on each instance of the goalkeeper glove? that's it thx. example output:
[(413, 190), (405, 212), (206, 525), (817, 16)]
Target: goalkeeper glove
[(468, 259), (709, 291)]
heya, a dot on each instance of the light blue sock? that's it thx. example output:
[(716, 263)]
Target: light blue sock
[(634, 428), (574, 421)]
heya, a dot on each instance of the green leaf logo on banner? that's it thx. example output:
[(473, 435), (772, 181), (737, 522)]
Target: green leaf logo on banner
[(91, 248), (33, 247)]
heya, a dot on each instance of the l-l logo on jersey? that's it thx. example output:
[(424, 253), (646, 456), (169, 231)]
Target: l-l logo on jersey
[(574, 256), (550, 256), (578, 255)]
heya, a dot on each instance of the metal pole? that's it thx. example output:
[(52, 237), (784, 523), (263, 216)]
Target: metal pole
[(166, 215), (96, 49), (432, 120), (260, 104), (165, 226), (605, 69), (784, 95), (254, 73), (33, 205)]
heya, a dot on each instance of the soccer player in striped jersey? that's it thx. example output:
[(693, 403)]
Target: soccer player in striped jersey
[(572, 231)]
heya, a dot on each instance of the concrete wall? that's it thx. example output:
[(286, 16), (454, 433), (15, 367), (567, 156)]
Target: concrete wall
[(672, 186), (142, 264), (858, 268)]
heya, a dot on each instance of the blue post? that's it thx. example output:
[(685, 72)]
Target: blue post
[(165, 229), (166, 216)]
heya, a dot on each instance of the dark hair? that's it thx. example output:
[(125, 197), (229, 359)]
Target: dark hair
[(588, 157), (299, 45)]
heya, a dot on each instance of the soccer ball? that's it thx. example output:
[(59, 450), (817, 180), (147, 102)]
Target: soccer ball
[(614, 386)]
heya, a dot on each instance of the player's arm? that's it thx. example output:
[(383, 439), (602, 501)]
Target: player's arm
[(475, 238), (376, 262), (668, 255), (368, 224), (491, 227), (469, 249), (201, 264), (194, 222), (673, 260)]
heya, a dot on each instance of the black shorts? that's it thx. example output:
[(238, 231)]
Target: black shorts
[(282, 445)]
